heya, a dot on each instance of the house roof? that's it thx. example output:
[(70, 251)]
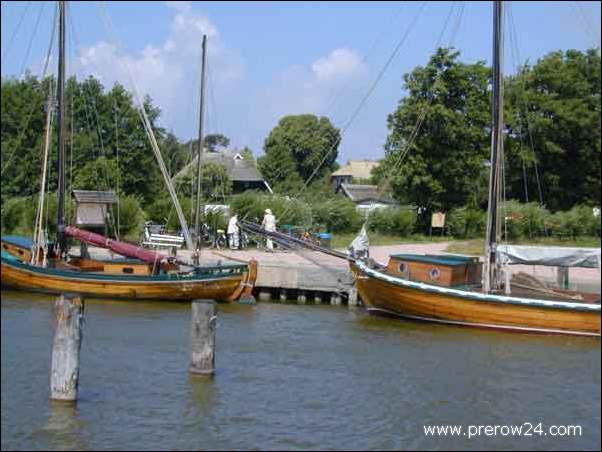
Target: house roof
[(358, 169), (95, 197), (360, 193), (238, 168)]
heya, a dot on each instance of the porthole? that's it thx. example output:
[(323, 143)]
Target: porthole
[(128, 270), (434, 274), (403, 267)]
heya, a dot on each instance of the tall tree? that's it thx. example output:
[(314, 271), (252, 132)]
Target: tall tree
[(298, 148), (438, 138), (554, 123)]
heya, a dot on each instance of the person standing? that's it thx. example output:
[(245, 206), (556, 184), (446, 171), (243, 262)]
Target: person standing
[(269, 224), (233, 232)]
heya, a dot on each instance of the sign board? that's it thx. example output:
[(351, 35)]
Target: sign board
[(438, 220)]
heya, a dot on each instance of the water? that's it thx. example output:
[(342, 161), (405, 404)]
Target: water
[(290, 377)]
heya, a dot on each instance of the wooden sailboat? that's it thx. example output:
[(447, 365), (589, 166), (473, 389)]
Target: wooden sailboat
[(146, 275), (459, 290)]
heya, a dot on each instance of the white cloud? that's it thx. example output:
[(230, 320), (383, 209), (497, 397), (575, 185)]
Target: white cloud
[(181, 6), (318, 87), (169, 71), (340, 63)]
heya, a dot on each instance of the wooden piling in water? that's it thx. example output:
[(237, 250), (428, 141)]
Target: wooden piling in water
[(352, 298), (202, 337), (283, 296), (66, 346)]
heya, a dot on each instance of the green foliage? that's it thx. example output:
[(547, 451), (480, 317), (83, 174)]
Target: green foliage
[(215, 182), (401, 222), (524, 220), (214, 141), (296, 147), (466, 222), (553, 117), (337, 214), (131, 216), (438, 169), (99, 174), (251, 206), (574, 223)]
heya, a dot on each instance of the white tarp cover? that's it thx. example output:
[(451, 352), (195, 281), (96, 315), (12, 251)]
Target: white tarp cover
[(360, 247), (554, 256)]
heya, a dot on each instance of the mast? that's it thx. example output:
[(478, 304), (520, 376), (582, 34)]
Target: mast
[(61, 242), (490, 272), (197, 223)]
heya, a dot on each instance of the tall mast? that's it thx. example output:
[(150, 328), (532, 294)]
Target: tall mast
[(197, 223), (62, 245), (490, 273)]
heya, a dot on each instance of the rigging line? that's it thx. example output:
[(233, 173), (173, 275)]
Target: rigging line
[(12, 38), (526, 112), (89, 98), (150, 135), (517, 70), (584, 18), (337, 96), (33, 106), (33, 35), (422, 115), (365, 98)]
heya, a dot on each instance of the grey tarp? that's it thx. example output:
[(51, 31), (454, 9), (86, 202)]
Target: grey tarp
[(554, 256)]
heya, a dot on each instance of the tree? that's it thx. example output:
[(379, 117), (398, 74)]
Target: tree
[(215, 182), (554, 123), (213, 141), (299, 148), (438, 137)]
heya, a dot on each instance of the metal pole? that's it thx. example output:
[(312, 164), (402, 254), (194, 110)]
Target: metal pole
[(61, 133), (197, 223), (493, 220)]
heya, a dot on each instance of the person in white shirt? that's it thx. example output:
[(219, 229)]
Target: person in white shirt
[(269, 224), (233, 232)]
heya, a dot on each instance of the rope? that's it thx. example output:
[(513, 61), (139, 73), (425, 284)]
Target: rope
[(33, 35), (362, 102), (33, 106), (12, 38), (150, 134)]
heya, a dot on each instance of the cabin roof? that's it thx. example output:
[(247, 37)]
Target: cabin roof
[(95, 196), (239, 169), (451, 260), (358, 169), (360, 193)]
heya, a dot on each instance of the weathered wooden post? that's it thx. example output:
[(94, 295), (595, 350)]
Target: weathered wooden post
[(283, 296), (265, 295), (202, 337), (562, 277), (64, 375), (352, 299)]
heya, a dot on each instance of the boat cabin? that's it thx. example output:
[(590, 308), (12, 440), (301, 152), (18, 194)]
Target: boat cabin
[(447, 271)]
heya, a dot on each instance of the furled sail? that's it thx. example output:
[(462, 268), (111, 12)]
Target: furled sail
[(125, 249)]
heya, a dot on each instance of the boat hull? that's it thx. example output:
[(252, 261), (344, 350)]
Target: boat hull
[(219, 286), (382, 292)]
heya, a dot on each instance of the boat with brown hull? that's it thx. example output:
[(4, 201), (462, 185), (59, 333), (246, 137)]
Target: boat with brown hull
[(383, 292), (124, 278)]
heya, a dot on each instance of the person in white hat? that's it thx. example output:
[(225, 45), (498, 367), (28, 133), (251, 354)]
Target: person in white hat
[(269, 224)]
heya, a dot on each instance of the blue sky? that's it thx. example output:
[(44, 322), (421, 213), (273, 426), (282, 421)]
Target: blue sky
[(270, 59)]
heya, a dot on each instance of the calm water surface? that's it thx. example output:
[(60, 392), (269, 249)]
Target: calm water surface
[(290, 377)]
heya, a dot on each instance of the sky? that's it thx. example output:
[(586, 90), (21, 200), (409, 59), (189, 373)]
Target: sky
[(266, 60)]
